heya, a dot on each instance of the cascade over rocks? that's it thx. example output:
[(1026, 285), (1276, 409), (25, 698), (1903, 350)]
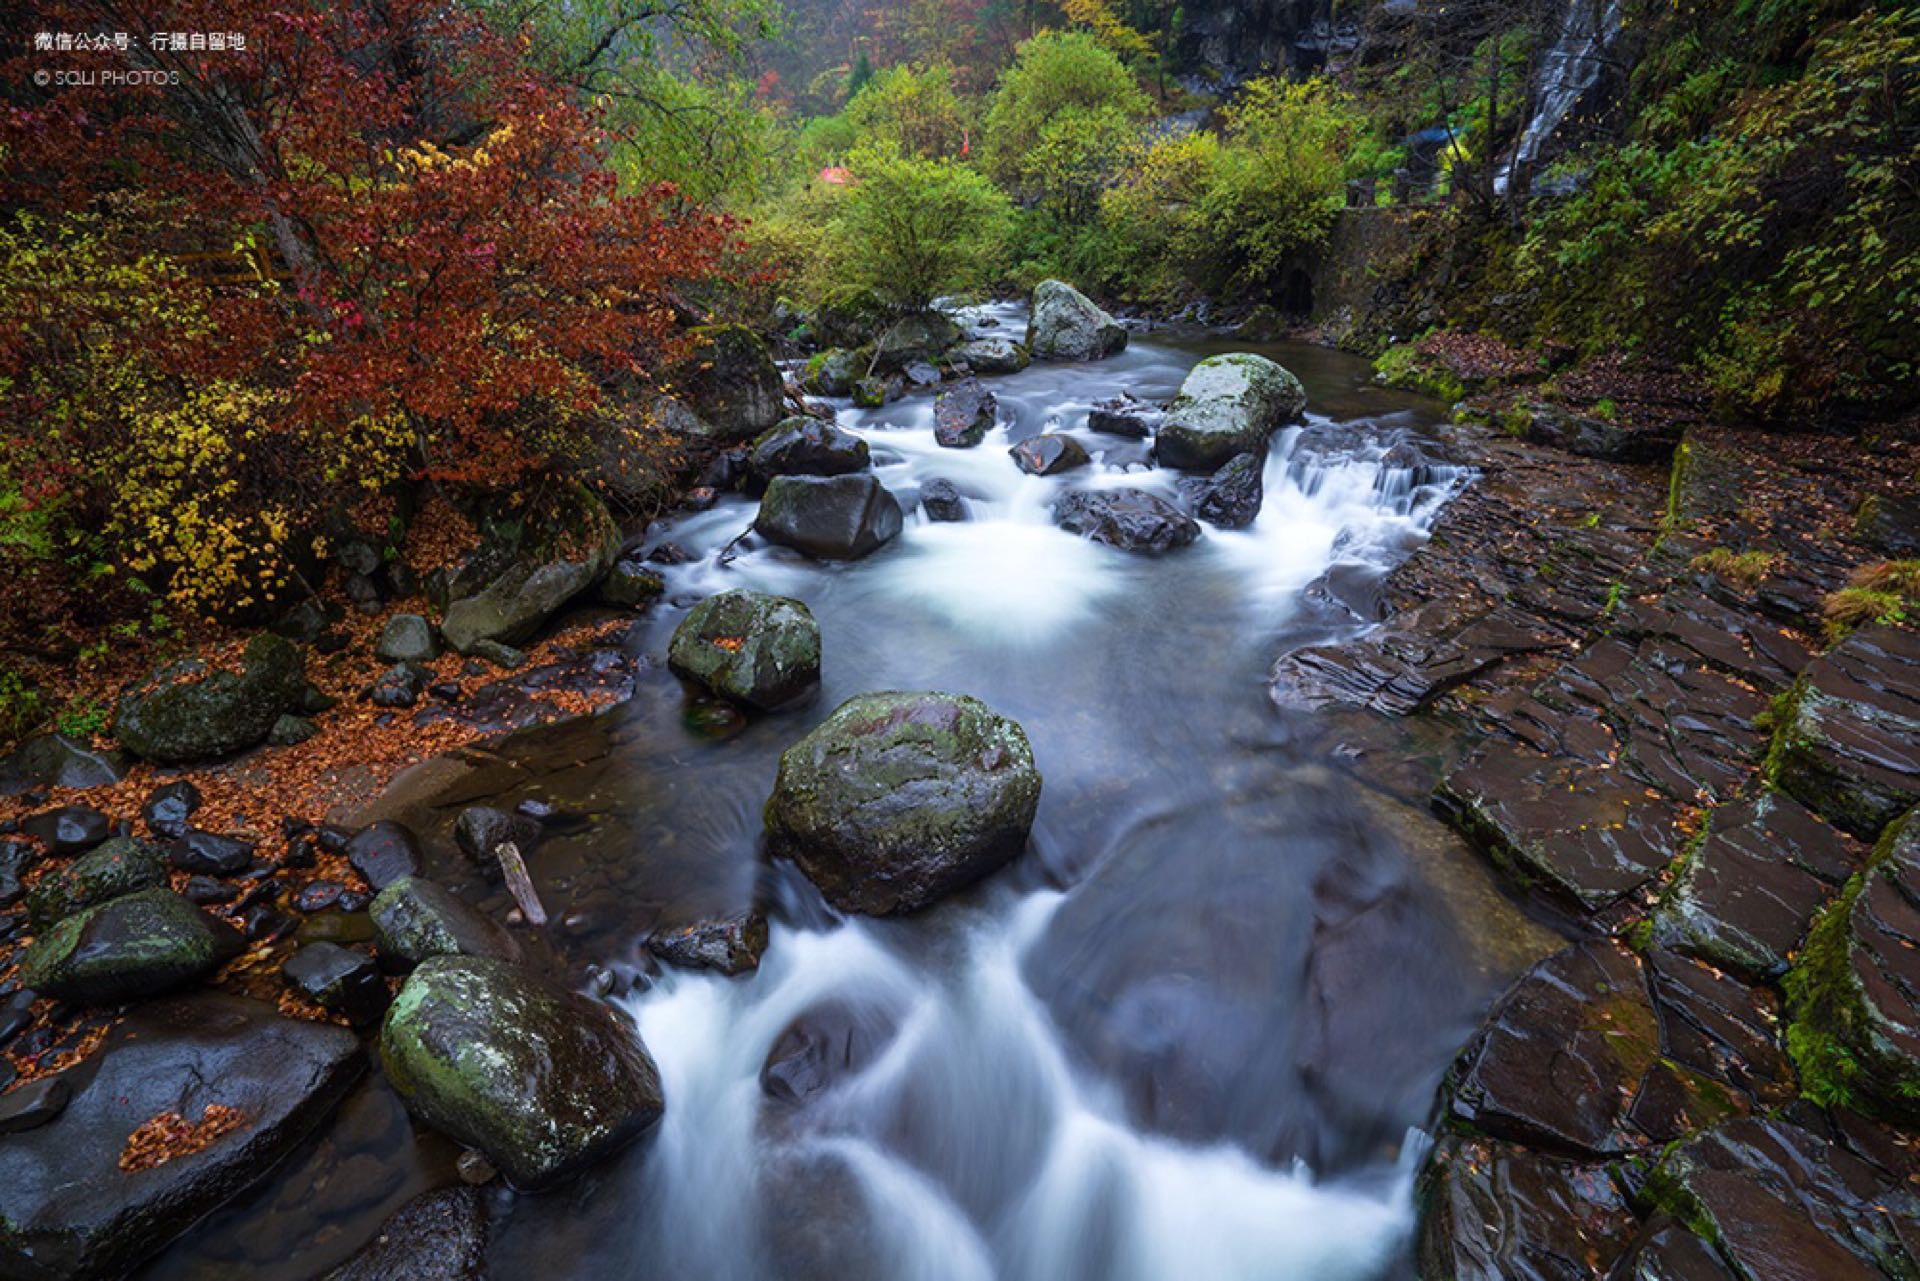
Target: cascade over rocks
[(545, 1081), (899, 799), (1064, 324), (756, 649), (829, 517), (1227, 406), (1129, 519), (187, 712)]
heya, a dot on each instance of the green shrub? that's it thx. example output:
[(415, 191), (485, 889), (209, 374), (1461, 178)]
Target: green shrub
[(913, 229)]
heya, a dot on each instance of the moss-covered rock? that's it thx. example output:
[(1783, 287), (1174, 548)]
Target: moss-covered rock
[(1064, 324), (120, 866), (1854, 989), (564, 550), (137, 945), (1847, 738), (731, 382), (756, 649), (991, 356), (919, 337), (1227, 406), (545, 1081), (630, 584), (188, 711), (835, 371), (415, 919), (899, 799)]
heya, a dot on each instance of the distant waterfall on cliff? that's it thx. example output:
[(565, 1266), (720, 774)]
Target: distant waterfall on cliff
[(1567, 75)]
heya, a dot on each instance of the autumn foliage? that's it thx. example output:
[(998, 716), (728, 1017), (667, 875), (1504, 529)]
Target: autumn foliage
[(372, 246)]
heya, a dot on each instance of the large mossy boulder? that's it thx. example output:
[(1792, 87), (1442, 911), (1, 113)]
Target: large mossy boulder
[(753, 648), (801, 446), (732, 384), (836, 371), (189, 712), (120, 866), (1064, 324), (1856, 1030), (545, 1081), (560, 552), (138, 945), (1847, 737), (71, 1210), (1227, 406), (918, 337), (899, 799), (829, 517)]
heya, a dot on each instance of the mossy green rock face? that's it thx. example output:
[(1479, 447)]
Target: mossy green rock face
[(187, 712), (1853, 987), (545, 1081), (732, 383), (569, 553), (899, 799), (137, 945), (756, 649), (120, 866), (415, 920), (1064, 324), (834, 372), (1228, 405)]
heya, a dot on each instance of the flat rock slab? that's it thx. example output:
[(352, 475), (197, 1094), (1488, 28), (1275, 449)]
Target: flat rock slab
[(67, 1209), (1747, 894), (1852, 748), (1491, 1211)]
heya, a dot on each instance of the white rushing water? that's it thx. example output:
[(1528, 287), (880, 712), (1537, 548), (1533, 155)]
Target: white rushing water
[(1567, 74)]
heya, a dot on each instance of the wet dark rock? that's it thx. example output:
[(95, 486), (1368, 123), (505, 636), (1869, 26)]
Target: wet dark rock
[(291, 730), (16, 1012), (71, 829), (1492, 1211), (1890, 523), (437, 1236), (169, 806), (1227, 406), (208, 892), (1129, 519), (544, 1081), (1064, 324), (1856, 984), (1749, 889), (263, 922), (562, 554), (407, 638), (209, 854), (1125, 415), (505, 657), (731, 383), (1668, 1251), (921, 374), (725, 470), (830, 518), (1790, 1202), (802, 446), (137, 945), (824, 1046), (1594, 437), (187, 712), (670, 554), (751, 647), (304, 623), (963, 414), (991, 356), (318, 896), (731, 945), (54, 760), (1049, 455), (119, 866), (415, 920), (338, 979), (1849, 745), (67, 1210), (834, 372), (629, 585), (918, 337), (871, 393), (34, 1104), (899, 799), (1718, 1029), (481, 829), (16, 858), (943, 502), (383, 853), (1231, 497), (400, 685), (445, 691)]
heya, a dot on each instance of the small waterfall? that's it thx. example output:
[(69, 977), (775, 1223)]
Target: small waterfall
[(1567, 75)]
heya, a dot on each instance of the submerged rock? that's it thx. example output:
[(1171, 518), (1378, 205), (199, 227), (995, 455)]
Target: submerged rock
[(756, 649), (119, 866), (963, 415), (67, 1208), (1227, 406), (1049, 455), (831, 517), (188, 712), (802, 446), (437, 1236), (899, 799), (1231, 497), (1064, 324), (545, 1081), (139, 944), (1129, 519), (414, 920), (823, 1046)]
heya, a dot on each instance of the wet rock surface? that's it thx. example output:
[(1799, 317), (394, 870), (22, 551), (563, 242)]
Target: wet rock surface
[(1231, 497), (807, 447), (415, 920), (1227, 406), (1852, 747), (437, 1236), (731, 945), (1049, 455), (756, 649), (964, 414), (137, 945), (188, 712), (1064, 324), (829, 518), (1130, 520), (54, 760)]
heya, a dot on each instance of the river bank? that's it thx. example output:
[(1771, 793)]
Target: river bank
[(1531, 632)]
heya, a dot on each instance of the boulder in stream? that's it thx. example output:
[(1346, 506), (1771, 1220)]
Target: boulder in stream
[(1231, 497), (1129, 519), (899, 799), (992, 356), (188, 712), (415, 919), (802, 446), (943, 502), (753, 648), (1227, 406), (545, 1081), (1064, 324), (829, 517), (964, 414), (1049, 455)]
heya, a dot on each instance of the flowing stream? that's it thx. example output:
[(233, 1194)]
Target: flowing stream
[(1194, 1032)]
